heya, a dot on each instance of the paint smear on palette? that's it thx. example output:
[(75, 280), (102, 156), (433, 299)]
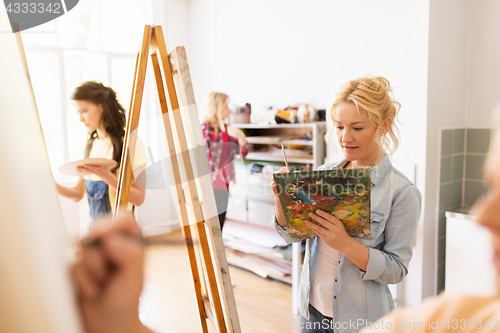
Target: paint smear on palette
[(344, 193)]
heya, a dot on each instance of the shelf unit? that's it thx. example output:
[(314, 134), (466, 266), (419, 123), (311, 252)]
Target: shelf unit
[(255, 190), (265, 157), (307, 134)]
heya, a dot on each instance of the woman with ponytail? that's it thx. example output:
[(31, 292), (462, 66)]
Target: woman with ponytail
[(104, 116), (222, 143)]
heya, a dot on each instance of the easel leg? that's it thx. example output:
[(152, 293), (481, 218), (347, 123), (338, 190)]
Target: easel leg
[(182, 79), (186, 230), (129, 141)]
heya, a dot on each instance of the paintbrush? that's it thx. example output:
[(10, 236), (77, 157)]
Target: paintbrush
[(97, 242), (284, 156)]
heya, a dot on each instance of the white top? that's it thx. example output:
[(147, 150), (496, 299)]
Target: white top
[(104, 149), (323, 278), (100, 149)]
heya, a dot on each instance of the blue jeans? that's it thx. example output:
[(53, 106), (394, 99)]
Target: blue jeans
[(98, 196), (317, 323)]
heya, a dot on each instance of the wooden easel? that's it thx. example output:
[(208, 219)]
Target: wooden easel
[(195, 200)]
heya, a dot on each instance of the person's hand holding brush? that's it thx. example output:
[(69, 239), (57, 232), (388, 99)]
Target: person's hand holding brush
[(109, 278)]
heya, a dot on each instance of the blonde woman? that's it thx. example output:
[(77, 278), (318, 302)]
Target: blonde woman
[(345, 279), (222, 142)]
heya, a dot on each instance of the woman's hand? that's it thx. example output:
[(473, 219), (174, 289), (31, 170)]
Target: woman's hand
[(136, 193), (273, 184), (280, 217), (330, 229), (238, 134), (102, 172), (333, 233), (109, 278)]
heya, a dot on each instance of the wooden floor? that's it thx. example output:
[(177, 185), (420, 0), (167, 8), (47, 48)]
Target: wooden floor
[(168, 301)]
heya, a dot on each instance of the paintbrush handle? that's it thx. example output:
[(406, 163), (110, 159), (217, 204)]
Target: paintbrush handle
[(97, 242), (284, 156)]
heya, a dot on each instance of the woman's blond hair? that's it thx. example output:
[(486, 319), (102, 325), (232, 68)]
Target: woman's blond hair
[(213, 104), (375, 96)]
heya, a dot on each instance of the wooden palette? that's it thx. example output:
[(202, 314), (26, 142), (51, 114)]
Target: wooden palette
[(73, 168)]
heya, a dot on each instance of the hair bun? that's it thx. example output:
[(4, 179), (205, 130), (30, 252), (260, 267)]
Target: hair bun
[(374, 95)]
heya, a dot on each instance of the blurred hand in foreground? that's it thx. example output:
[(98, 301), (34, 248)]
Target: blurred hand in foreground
[(109, 277)]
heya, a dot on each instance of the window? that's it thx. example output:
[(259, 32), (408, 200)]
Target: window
[(97, 40)]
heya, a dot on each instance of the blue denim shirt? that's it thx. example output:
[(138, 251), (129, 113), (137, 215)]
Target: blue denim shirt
[(359, 296)]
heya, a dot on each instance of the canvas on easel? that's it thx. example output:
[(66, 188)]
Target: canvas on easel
[(36, 289)]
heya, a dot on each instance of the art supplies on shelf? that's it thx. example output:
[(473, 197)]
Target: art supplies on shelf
[(344, 193), (292, 153), (276, 139)]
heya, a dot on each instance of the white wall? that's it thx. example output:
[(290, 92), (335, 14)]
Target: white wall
[(175, 21), (292, 53), (484, 65), (447, 89), (200, 47)]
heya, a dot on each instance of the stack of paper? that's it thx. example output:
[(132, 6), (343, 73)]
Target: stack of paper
[(258, 249)]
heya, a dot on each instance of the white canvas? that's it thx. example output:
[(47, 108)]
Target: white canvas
[(35, 288)]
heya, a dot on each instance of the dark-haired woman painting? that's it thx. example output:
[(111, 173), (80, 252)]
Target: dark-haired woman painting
[(104, 116)]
